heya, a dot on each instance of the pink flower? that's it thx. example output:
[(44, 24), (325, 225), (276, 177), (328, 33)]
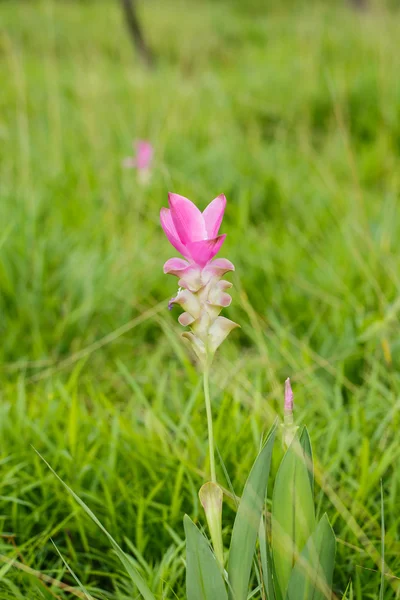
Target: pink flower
[(192, 232), (202, 292), (288, 398), (144, 156)]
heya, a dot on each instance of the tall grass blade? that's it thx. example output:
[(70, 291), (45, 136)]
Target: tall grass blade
[(130, 569), (382, 587)]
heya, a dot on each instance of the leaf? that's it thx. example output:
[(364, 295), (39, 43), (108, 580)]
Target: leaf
[(293, 519), (247, 522), (306, 445), (311, 578), (203, 577), (266, 562), (125, 560)]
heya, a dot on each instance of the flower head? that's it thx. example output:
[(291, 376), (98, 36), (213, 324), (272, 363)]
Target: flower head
[(192, 232), (202, 292), (143, 156)]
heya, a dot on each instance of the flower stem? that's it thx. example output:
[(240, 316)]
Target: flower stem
[(206, 385)]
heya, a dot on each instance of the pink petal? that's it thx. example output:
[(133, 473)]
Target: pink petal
[(189, 302), (218, 296), (144, 154), (202, 252), (186, 319), (170, 231), (213, 215), (175, 266), (216, 268), (187, 218), (190, 278)]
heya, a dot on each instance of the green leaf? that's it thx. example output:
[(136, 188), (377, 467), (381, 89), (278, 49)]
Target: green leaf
[(266, 562), (293, 518), (203, 577), (247, 522), (306, 445), (311, 578), (124, 558)]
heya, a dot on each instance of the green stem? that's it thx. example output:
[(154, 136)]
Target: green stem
[(206, 385)]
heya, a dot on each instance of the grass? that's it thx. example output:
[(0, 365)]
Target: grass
[(293, 113)]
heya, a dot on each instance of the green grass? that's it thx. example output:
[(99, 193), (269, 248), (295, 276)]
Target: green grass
[(293, 113)]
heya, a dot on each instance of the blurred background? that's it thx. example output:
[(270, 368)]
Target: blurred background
[(292, 109)]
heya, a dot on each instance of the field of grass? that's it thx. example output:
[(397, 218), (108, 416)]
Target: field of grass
[(293, 113)]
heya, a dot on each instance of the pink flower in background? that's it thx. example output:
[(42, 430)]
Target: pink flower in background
[(143, 158), (192, 232)]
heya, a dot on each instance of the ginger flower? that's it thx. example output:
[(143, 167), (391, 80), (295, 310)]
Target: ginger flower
[(202, 293), (141, 161)]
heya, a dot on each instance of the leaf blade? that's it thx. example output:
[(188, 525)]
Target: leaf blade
[(311, 578), (266, 562), (203, 577), (247, 522), (293, 518)]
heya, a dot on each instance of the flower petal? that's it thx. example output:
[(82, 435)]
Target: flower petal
[(186, 319), (190, 278), (175, 266), (197, 345), (202, 252), (169, 229), (218, 331), (189, 302), (216, 268), (187, 218), (217, 295), (213, 215)]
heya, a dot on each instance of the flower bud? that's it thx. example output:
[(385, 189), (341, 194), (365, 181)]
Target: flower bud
[(211, 498)]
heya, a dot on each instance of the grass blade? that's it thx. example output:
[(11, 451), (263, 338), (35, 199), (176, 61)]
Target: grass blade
[(78, 581), (130, 569), (382, 588)]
